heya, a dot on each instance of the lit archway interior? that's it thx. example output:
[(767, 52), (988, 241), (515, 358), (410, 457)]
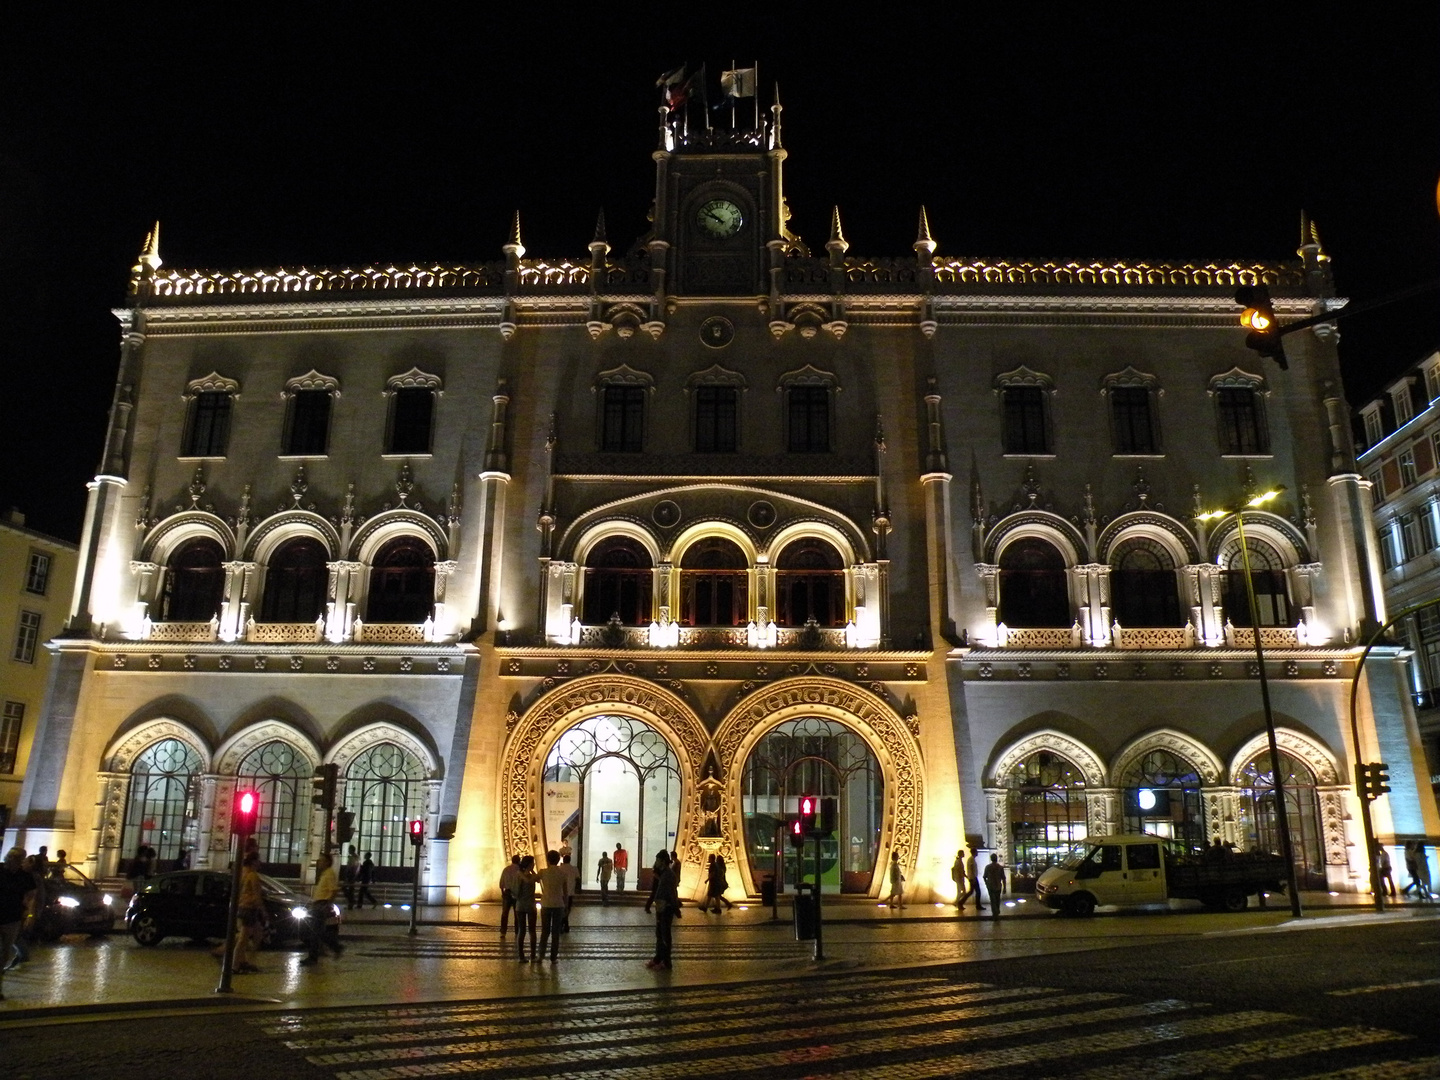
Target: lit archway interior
[(1258, 821), (1163, 798)]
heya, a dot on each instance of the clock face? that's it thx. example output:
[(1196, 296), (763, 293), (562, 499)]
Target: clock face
[(719, 218)]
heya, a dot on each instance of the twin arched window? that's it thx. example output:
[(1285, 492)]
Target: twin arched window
[(809, 584), (1033, 587), (402, 582), (714, 584), (1267, 576), (618, 581), (194, 582), (296, 582), (1143, 587)]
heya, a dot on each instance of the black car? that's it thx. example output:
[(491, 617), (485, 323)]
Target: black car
[(75, 905), (194, 904)]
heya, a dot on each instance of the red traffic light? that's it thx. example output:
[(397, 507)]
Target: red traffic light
[(797, 833), (417, 832), (809, 807), (246, 811)]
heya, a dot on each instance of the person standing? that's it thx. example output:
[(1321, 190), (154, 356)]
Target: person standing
[(525, 906), (366, 875), (715, 885), (17, 889), (554, 898), (250, 915), (324, 924), (603, 870), (896, 899), (994, 883), (972, 880), (572, 889), (509, 894), (1382, 866), (349, 877), (666, 898), (622, 867)]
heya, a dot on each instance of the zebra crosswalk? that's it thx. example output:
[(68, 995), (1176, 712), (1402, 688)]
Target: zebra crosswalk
[(913, 1025)]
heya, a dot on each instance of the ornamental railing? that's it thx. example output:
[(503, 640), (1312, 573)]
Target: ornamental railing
[(392, 633), (1038, 637), (284, 633), (1271, 637), (1154, 637), (182, 631)]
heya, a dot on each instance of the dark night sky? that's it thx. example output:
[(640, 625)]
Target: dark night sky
[(359, 134)]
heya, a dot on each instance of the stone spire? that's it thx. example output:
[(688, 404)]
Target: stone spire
[(150, 250), (600, 237), (1318, 278), (924, 243), (513, 245), (837, 241)]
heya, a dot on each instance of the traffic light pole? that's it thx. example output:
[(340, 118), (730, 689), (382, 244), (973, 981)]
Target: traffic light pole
[(415, 894), (227, 962), (819, 923), (1362, 787)]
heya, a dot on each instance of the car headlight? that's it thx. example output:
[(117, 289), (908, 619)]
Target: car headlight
[(68, 902), (300, 912), (107, 899)]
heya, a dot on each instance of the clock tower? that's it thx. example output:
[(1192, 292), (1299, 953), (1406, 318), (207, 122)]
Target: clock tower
[(720, 209)]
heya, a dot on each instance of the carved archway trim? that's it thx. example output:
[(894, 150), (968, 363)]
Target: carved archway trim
[(523, 758), (162, 540), (1302, 747), (232, 752), (121, 755), (1073, 751), (1178, 743), (346, 751), (887, 735)]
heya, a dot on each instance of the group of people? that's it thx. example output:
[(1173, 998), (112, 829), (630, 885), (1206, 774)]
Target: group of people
[(967, 875), (559, 881), (1416, 865)]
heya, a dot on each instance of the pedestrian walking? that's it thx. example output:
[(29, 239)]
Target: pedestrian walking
[(896, 899), (324, 921), (1382, 866), (603, 870), (972, 880), (666, 898), (994, 883), (365, 877), (715, 885), (348, 875), (249, 916), (1422, 873), (17, 893), (525, 906), (141, 867), (659, 867), (554, 900), (621, 859), (509, 891), (572, 889)]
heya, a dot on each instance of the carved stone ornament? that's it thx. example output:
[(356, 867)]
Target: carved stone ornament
[(120, 758), (311, 380), (716, 332), (414, 379), (1198, 756), (1061, 745), (666, 513), (214, 383)]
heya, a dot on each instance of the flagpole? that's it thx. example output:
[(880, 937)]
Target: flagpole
[(757, 95), (732, 94)]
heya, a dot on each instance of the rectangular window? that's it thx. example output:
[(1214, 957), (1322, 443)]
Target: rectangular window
[(1410, 536), (1407, 467), (308, 432), (10, 722), (809, 416), (1432, 383), (411, 410), (1373, 431), (1387, 549), (1025, 428), (1403, 407), (1426, 516), (37, 573), (715, 415), (27, 637), (1133, 424), (1242, 426), (209, 432), (623, 423), (1377, 487)]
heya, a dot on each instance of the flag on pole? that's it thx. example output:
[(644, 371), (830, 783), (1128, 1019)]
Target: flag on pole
[(674, 88), (738, 82)]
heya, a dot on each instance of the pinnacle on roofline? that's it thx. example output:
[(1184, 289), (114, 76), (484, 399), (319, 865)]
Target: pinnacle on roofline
[(1310, 238), (600, 237), (923, 240), (514, 242), (150, 250)]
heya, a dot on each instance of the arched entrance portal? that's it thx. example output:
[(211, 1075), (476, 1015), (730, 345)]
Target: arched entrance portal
[(611, 780), (813, 756)]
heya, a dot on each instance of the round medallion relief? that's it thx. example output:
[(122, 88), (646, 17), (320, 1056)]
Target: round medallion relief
[(717, 332), (761, 514), (666, 514)]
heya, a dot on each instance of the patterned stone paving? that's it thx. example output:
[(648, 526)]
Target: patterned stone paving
[(847, 1025)]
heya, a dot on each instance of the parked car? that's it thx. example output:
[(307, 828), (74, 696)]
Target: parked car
[(194, 904), (75, 905)]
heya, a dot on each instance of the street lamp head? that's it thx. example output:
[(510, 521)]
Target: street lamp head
[(1265, 496), (1259, 500)]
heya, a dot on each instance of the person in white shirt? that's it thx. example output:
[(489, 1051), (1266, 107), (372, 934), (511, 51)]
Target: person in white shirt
[(509, 886), (555, 895), (572, 874)]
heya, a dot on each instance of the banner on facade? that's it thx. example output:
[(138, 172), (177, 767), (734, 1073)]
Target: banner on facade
[(562, 813)]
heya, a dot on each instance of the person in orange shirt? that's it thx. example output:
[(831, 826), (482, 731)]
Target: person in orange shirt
[(622, 865)]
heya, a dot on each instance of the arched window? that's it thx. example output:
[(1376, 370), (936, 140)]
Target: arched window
[(813, 756), (1033, 589), (618, 581), (161, 806), (1259, 822), (1143, 588), (296, 582), (1267, 576), (1047, 812), (385, 788), (1162, 798), (194, 582), (281, 775), (714, 584), (612, 780), (402, 582), (809, 584)]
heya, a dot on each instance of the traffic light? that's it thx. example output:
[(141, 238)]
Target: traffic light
[(1372, 780), (1259, 318), (417, 832), (344, 826), (797, 833), (247, 811), (809, 810), (322, 786)]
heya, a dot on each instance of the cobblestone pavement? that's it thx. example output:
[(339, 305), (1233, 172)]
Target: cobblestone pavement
[(913, 1025)]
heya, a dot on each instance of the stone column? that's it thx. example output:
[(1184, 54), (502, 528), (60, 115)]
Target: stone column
[(990, 578)]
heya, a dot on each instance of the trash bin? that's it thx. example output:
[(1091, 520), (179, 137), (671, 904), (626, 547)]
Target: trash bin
[(805, 912), (767, 891)]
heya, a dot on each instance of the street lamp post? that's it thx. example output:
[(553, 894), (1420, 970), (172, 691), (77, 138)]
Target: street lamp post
[(1282, 815)]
